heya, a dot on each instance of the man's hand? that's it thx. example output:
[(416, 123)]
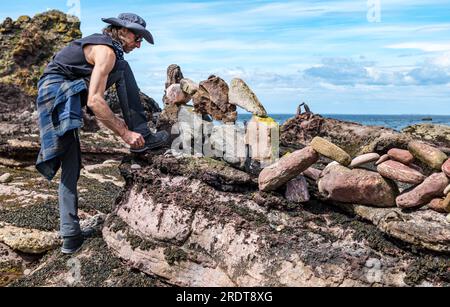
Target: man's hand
[(134, 139)]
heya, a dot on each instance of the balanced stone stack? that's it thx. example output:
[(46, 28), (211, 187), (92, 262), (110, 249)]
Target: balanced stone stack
[(213, 97), (368, 179)]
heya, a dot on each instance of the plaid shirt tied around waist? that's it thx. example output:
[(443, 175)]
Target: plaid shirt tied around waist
[(59, 111)]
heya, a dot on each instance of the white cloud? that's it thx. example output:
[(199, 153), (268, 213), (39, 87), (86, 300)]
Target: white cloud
[(349, 72), (424, 46)]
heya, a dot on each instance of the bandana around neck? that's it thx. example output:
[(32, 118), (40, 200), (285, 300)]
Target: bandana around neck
[(118, 49)]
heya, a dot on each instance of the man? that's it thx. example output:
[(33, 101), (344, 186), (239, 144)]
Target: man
[(78, 75)]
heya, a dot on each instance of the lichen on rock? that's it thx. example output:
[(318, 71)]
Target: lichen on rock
[(30, 43)]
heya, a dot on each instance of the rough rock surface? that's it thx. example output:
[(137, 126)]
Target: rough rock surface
[(212, 98), (432, 187), (174, 75), (399, 172), (241, 95), (330, 150), (446, 167), (438, 205), (424, 228), (187, 232), (297, 190), (382, 159), (28, 240), (401, 155), (27, 44), (312, 173), (287, 168), (175, 95), (355, 139), (341, 184), (188, 86), (436, 134), (262, 136), (428, 154)]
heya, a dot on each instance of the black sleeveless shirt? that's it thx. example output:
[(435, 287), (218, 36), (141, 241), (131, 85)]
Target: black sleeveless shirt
[(71, 62)]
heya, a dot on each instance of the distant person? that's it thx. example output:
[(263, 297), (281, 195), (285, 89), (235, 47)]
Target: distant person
[(78, 75)]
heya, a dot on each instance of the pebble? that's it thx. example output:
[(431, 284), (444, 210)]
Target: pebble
[(447, 189), (5, 178), (135, 166)]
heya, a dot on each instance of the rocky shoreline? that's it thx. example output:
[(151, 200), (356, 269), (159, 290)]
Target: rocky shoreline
[(321, 202)]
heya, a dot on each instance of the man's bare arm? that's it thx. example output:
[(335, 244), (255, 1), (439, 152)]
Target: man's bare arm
[(103, 59)]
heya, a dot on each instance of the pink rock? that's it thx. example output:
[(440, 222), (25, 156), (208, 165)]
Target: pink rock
[(382, 159), (358, 186), (287, 168), (312, 173), (363, 159), (432, 187), (401, 155), (297, 190), (176, 96), (446, 167), (397, 171)]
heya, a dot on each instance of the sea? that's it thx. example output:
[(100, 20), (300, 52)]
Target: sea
[(396, 122)]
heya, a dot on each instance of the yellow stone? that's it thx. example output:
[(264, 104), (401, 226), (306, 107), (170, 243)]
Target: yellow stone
[(330, 150)]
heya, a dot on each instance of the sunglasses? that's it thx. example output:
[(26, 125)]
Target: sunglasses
[(138, 39)]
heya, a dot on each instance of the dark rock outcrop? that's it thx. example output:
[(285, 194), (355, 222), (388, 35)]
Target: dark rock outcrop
[(436, 134), (355, 139), (27, 44)]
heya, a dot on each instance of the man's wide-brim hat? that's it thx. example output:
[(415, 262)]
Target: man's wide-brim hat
[(132, 22)]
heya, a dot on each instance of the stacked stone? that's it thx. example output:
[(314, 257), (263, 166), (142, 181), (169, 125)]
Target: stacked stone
[(213, 97), (367, 179)]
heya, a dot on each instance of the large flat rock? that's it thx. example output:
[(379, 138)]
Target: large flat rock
[(182, 229), (424, 228)]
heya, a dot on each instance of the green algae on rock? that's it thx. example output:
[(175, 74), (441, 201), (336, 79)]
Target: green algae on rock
[(30, 43)]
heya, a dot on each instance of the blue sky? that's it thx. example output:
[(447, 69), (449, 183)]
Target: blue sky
[(343, 57)]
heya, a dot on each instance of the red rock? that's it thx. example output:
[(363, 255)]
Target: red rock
[(297, 190), (401, 155), (397, 171), (176, 96), (446, 167), (287, 168), (212, 98), (312, 173), (383, 158), (432, 187), (358, 186)]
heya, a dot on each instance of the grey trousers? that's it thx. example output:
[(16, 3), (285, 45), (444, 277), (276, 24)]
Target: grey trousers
[(134, 116), (67, 192)]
